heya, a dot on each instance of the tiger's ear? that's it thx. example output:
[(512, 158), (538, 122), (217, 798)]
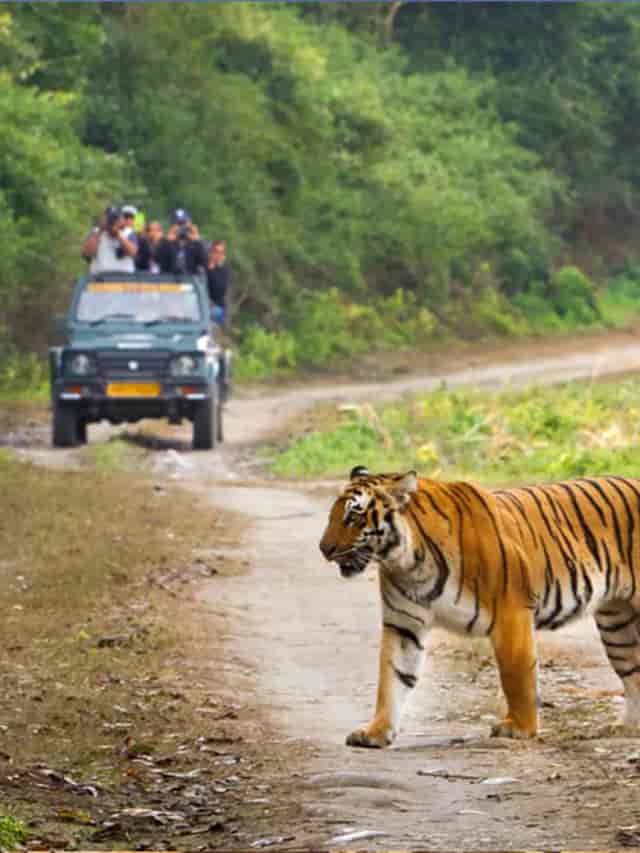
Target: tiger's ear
[(359, 471), (404, 486)]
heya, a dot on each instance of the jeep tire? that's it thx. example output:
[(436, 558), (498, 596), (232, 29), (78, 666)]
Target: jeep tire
[(205, 422), (65, 426)]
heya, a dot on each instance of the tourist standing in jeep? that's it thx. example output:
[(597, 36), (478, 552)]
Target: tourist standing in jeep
[(182, 252), (110, 248), (148, 243)]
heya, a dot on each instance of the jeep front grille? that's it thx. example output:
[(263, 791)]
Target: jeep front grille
[(133, 364)]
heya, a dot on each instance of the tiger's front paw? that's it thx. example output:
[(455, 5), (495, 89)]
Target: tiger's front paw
[(507, 728), (371, 738)]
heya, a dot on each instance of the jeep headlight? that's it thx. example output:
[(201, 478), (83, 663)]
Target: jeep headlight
[(81, 364), (183, 365)]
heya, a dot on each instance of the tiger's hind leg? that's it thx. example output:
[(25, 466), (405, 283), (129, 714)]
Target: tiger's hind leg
[(514, 647), (619, 626)]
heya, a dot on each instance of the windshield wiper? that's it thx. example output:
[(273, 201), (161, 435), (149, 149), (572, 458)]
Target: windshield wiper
[(112, 317), (170, 318)]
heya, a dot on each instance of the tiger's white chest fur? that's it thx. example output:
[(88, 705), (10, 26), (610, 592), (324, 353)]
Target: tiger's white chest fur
[(431, 587)]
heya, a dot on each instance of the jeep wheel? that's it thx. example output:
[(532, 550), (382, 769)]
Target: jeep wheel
[(82, 431), (205, 422), (65, 426)]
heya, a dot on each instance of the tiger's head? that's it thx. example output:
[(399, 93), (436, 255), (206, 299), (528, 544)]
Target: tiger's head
[(364, 523)]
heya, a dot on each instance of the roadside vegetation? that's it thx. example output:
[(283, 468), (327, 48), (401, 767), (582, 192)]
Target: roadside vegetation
[(330, 330), (538, 433), (386, 175), (23, 377), (115, 455), (12, 832)]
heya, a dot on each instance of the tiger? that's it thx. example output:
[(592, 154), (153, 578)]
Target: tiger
[(497, 563)]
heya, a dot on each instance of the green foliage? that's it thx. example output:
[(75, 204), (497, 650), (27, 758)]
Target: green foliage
[(23, 377), (569, 301), (539, 310), (620, 301), (492, 313), (572, 296), (535, 434), (111, 456), (326, 328), (321, 160), (314, 454), (265, 354), (12, 832), (567, 78), (51, 187), (382, 174)]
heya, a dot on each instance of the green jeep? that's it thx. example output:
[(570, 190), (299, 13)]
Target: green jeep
[(138, 346)]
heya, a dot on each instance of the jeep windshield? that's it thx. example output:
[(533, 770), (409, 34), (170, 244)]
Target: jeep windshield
[(145, 302)]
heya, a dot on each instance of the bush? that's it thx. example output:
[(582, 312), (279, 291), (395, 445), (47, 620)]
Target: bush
[(573, 296), (517, 271), (12, 832), (327, 327), (620, 301), (263, 354), (539, 310), (23, 377), (320, 327), (494, 314)]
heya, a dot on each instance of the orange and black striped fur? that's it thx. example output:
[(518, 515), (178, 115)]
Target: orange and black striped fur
[(491, 563)]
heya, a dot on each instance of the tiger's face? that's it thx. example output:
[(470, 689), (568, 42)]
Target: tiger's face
[(363, 522)]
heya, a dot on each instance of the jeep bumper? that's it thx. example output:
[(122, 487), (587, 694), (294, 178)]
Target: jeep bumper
[(126, 401)]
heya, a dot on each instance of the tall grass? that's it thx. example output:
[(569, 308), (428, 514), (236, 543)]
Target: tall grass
[(23, 376), (534, 434)]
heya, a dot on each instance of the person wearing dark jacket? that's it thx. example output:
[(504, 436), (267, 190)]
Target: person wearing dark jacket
[(218, 280), (182, 251), (148, 244)]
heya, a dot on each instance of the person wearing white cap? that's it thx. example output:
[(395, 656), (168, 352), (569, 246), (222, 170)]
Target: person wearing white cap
[(182, 250)]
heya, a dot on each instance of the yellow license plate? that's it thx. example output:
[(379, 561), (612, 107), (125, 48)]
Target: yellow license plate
[(133, 389)]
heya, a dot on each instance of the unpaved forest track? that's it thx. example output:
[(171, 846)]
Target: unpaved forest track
[(311, 640)]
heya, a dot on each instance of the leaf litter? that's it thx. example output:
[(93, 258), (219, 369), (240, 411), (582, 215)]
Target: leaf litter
[(101, 739)]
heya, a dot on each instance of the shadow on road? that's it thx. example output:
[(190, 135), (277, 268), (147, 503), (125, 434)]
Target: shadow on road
[(150, 441)]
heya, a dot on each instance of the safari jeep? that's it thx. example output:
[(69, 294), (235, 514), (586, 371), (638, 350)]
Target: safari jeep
[(138, 346)]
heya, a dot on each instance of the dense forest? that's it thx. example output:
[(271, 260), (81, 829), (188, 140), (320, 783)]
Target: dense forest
[(383, 173)]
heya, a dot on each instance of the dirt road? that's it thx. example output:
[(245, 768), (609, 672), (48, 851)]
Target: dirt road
[(310, 638)]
